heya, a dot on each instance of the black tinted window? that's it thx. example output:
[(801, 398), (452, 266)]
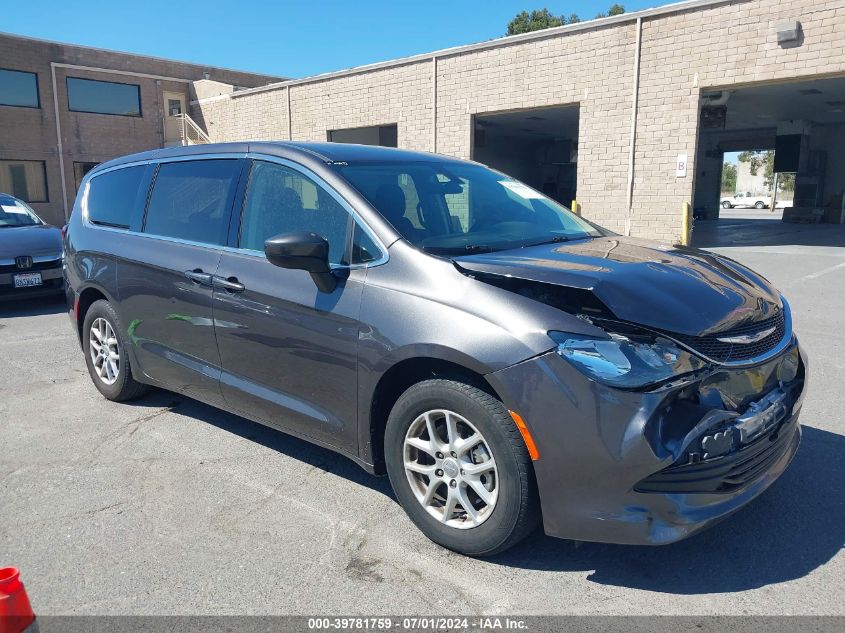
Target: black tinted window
[(191, 200), (103, 97), (282, 200), (111, 196), (18, 88)]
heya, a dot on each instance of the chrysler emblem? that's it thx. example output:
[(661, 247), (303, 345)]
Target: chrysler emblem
[(23, 262), (745, 339)]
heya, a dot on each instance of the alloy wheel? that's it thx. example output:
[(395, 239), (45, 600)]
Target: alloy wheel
[(451, 469), (105, 351)]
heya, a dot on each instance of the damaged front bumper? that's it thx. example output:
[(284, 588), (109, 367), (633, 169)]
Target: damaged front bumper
[(654, 467)]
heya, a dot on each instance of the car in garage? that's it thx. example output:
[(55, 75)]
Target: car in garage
[(502, 360), (30, 252), (746, 199)]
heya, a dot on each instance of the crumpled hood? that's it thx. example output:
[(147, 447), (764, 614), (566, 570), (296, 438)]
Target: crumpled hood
[(41, 239), (676, 289)]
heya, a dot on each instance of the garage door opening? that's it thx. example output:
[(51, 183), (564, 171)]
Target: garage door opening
[(774, 145), (749, 182), (538, 146), (383, 135)]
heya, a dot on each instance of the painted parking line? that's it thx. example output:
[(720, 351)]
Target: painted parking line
[(817, 274)]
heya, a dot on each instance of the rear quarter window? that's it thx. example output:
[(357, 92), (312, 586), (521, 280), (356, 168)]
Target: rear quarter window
[(111, 196)]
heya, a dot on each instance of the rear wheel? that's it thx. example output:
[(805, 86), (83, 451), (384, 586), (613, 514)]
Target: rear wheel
[(460, 468), (759, 205), (105, 354)]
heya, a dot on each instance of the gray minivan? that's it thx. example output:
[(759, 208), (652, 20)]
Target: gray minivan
[(501, 359)]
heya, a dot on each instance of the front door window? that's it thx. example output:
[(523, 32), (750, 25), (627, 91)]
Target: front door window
[(282, 200)]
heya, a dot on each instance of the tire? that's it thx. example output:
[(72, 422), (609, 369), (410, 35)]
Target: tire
[(759, 205), (118, 385), (515, 511), (727, 205)]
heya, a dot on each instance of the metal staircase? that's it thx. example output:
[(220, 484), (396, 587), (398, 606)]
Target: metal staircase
[(191, 132)]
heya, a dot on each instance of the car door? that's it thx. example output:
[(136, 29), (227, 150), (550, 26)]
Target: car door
[(165, 274), (289, 350)]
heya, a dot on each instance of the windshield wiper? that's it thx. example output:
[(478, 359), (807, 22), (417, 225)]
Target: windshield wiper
[(552, 240), (458, 250)]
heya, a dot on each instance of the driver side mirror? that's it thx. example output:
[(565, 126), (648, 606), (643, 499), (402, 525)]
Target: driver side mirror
[(302, 251)]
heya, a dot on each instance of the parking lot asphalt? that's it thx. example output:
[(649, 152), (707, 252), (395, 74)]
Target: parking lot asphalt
[(167, 506)]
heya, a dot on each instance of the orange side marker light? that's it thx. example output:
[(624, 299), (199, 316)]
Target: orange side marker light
[(526, 436)]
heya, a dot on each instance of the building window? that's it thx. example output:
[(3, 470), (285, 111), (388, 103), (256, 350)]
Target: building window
[(384, 135), (24, 179), (80, 170), (18, 88), (103, 97)]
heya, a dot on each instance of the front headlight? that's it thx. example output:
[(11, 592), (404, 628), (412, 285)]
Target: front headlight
[(624, 362)]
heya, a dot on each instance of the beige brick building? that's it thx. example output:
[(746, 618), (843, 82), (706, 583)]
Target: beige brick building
[(631, 114), (117, 105)]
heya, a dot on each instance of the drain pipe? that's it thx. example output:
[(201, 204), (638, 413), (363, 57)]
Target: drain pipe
[(434, 104), (290, 123), (59, 139), (634, 104)]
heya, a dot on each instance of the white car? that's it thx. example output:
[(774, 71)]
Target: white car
[(746, 199)]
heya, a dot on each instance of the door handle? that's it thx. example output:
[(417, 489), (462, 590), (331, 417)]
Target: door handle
[(230, 285), (199, 277)]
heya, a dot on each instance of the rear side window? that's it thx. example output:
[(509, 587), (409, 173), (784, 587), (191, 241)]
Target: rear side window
[(191, 200), (111, 196)]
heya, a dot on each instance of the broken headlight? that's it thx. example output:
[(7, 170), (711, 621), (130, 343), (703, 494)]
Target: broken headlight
[(626, 362)]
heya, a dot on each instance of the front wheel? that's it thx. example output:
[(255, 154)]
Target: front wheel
[(727, 205), (460, 468)]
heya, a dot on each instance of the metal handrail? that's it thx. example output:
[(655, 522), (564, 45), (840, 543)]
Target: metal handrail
[(192, 133)]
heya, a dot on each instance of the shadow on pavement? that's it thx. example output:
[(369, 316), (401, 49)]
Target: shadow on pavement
[(321, 458), (786, 533), (756, 232), (24, 307)]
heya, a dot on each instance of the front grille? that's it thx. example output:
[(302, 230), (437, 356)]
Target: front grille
[(714, 349), (36, 266), (728, 473)]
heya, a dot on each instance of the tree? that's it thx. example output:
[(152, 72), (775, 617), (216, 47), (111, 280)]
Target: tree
[(539, 19), (766, 160), (616, 9), (729, 177)]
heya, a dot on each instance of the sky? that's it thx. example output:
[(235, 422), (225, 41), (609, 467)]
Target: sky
[(282, 38)]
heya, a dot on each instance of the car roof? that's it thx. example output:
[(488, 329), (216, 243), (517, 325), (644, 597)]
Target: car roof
[(323, 152)]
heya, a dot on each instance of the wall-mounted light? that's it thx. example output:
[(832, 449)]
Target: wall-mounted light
[(788, 32)]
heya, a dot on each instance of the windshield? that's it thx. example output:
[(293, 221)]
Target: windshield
[(457, 208), (13, 212)]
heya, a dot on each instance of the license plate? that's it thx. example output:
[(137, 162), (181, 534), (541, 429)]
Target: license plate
[(27, 280)]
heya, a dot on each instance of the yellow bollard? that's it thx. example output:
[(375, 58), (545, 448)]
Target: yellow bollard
[(574, 208), (686, 227)]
